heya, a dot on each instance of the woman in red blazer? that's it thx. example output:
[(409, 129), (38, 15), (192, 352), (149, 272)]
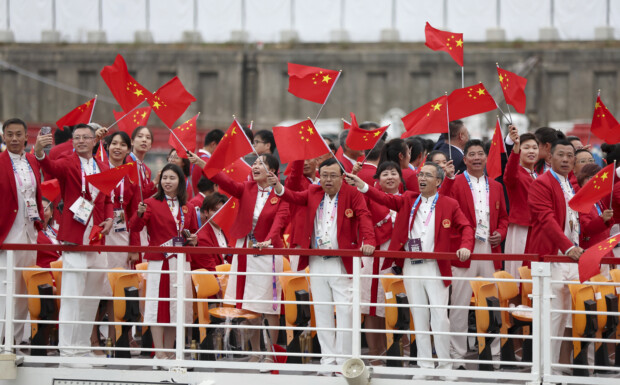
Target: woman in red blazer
[(47, 236), (165, 216), (211, 234), (398, 152), (262, 216), (518, 176)]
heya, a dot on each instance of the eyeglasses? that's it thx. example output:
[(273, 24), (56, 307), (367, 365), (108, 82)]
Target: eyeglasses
[(258, 142), (330, 176), (78, 138), (426, 176)]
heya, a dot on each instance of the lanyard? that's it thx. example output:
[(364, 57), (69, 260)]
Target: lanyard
[(566, 198), (171, 207), (471, 186), (430, 213), (598, 209), (333, 214), (19, 179), (50, 228), (561, 185), (139, 163), (84, 174)]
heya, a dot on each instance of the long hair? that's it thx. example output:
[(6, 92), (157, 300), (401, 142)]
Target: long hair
[(181, 191)]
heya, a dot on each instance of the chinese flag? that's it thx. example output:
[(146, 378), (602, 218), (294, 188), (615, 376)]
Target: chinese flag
[(494, 161), (238, 170), (469, 101), (234, 145), (299, 142), (599, 186), (106, 181), (439, 40), (170, 101), (138, 117), (430, 118), (80, 114), (126, 90), (101, 154), (226, 215), (50, 189), (346, 125), (513, 87), (186, 133), (590, 260), (311, 83), (132, 171), (95, 237), (604, 125), (359, 139)]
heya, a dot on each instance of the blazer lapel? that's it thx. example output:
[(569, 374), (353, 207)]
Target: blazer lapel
[(8, 166)]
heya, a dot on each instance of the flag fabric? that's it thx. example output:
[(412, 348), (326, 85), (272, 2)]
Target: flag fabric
[(170, 101), (234, 145), (494, 160), (311, 83), (138, 117), (226, 216), (132, 172), (300, 141), (239, 170), (359, 139), (101, 154), (600, 186), (513, 87), (80, 114), (439, 40), (428, 119), (125, 89), (346, 125), (468, 101), (107, 180), (590, 260), (604, 125), (95, 237), (50, 189), (186, 133)]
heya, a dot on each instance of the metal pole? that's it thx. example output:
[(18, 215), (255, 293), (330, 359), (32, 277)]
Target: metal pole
[(292, 14), (53, 15), (356, 338), (342, 8), (445, 13), (243, 15), (10, 306), (498, 13), (8, 15), (606, 15), (551, 12), (393, 14), (195, 15), (101, 15), (537, 305), (180, 329), (147, 14)]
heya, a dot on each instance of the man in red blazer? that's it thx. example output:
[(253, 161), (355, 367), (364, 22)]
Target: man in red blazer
[(75, 228), (424, 223), (336, 217), (555, 230), (482, 202), (20, 212)]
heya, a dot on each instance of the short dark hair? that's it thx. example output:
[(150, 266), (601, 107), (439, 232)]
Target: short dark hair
[(429, 144), (185, 161), (429, 157), (18, 121), (375, 152), (124, 137), (454, 127), (267, 137), (211, 202), (329, 162), (248, 133), (528, 136), (271, 161), (181, 191), (391, 150), (416, 146), (588, 171), (205, 184), (369, 126), (214, 135), (389, 165), (582, 150), (63, 134), (548, 135), (82, 126), (472, 143), (561, 142), (571, 138)]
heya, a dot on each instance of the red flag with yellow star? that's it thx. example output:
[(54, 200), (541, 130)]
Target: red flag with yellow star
[(359, 139), (604, 125), (428, 119), (468, 101), (300, 141), (138, 117), (226, 215), (238, 170), (590, 260), (186, 134), (439, 40), (170, 101), (125, 89), (311, 83), (513, 87), (599, 186), (80, 114), (234, 145), (107, 180), (494, 161)]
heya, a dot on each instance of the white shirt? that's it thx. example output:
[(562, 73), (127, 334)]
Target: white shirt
[(22, 226), (219, 235), (326, 223), (481, 208), (571, 224), (261, 200), (419, 229), (90, 167), (173, 205)]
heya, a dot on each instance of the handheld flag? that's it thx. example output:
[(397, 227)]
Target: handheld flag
[(101, 154), (494, 161), (430, 118), (469, 101), (300, 141), (600, 186), (139, 117), (170, 101), (450, 42), (186, 133), (80, 114), (106, 181), (238, 170), (513, 87), (50, 189), (234, 145), (359, 139), (604, 125), (311, 83), (590, 260), (125, 89), (226, 215)]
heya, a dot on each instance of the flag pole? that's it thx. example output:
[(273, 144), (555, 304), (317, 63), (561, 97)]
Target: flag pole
[(251, 145), (613, 177), (373, 147), (212, 216), (448, 120), (177, 138), (329, 150), (598, 94), (123, 117), (92, 112), (330, 92), (507, 105), (139, 182), (462, 76)]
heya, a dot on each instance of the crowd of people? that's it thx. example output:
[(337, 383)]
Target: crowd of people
[(413, 195)]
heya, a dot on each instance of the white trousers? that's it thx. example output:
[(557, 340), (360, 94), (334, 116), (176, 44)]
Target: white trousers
[(332, 289), (21, 258), (428, 292), (152, 290), (461, 296), (561, 300), (89, 284), (516, 238)]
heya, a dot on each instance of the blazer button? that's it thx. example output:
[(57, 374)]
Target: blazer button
[(14, 211)]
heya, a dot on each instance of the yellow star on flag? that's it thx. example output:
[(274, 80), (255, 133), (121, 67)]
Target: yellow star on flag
[(604, 176), (459, 43), (437, 107), (501, 78), (326, 79), (156, 105), (310, 131), (597, 105), (138, 92), (480, 91)]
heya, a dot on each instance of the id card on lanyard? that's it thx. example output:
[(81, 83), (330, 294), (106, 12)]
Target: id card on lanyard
[(119, 224), (82, 208), (482, 230), (415, 244), (32, 211), (323, 241), (573, 223), (178, 240)]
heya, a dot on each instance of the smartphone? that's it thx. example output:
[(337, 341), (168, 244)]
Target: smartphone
[(186, 234), (45, 130)]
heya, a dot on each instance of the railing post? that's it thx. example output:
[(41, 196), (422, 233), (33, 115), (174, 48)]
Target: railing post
[(356, 339), (180, 285), (541, 320), (10, 307)]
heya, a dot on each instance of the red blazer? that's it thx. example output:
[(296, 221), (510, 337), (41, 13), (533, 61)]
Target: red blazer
[(346, 163), (548, 211), (61, 150), (148, 186), (458, 188), (354, 225), (68, 171), (160, 224), (197, 200), (449, 219), (207, 238), (411, 180), (517, 181), (272, 220), (367, 173), (381, 220), (44, 258), (593, 229), (131, 199), (297, 181), (8, 192), (196, 172)]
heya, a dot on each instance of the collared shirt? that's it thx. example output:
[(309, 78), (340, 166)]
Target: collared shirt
[(24, 175), (219, 235), (326, 222), (426, 232), (90, 167), (481, 208), (261, 200), (571, 224)]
